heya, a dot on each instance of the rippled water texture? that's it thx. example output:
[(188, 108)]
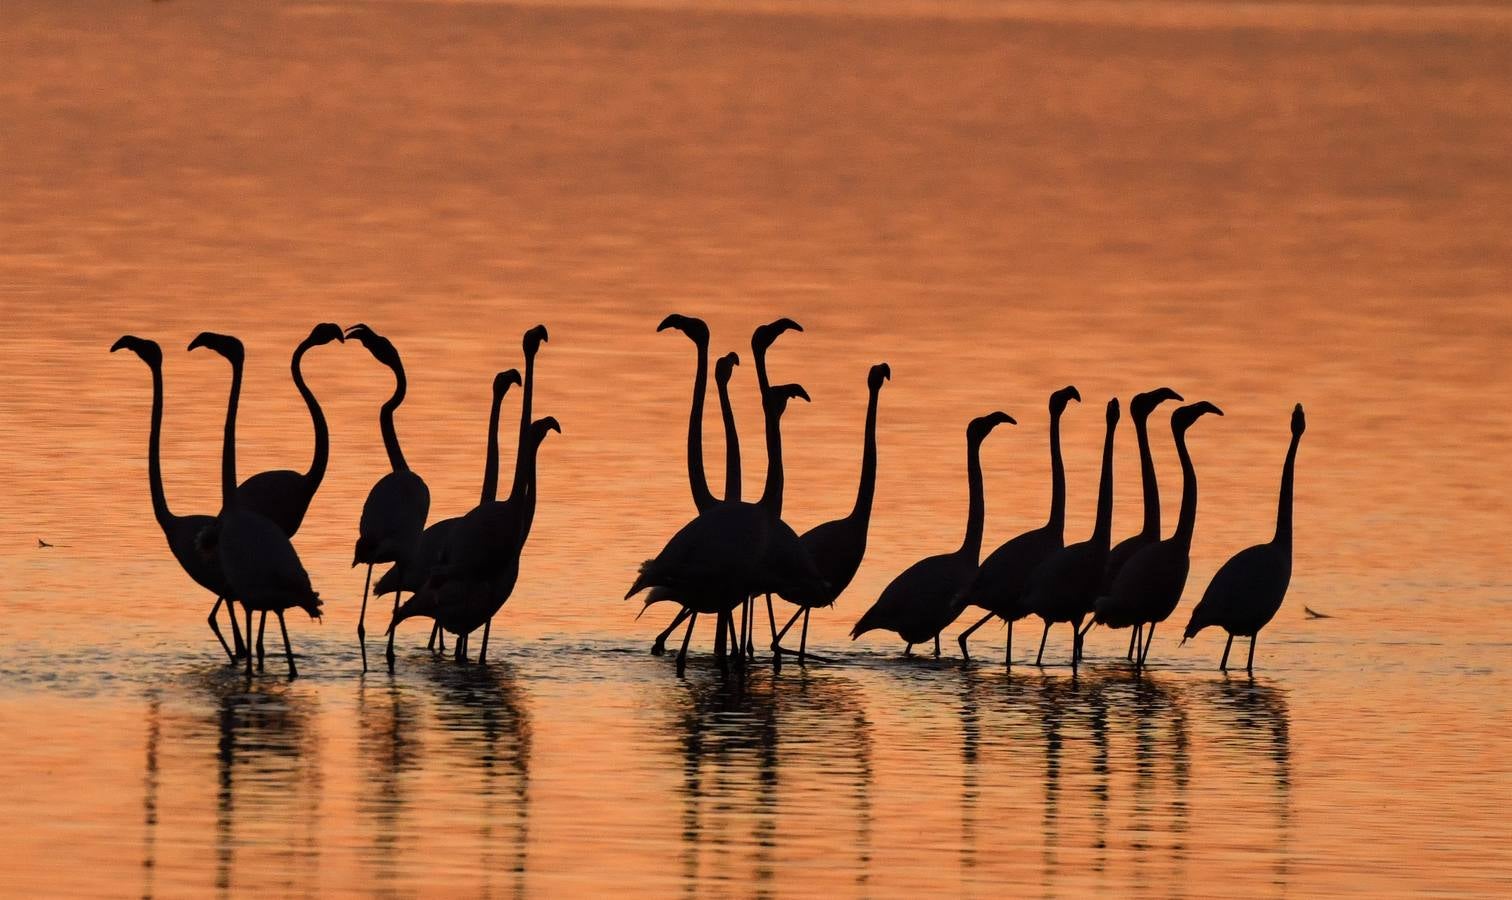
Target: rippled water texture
[(1257, 204)]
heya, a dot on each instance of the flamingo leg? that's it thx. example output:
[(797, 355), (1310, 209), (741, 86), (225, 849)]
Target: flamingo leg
[(1250, 666), (1076, 642), (682, 655), (288, 651), (968, 632), (361, 616), (388, 653), (1223, 663), (1133, 636), (262, 621), (1145, 651), (1008, 647), (937, 645), (771, 618), (719, 640), (660, 646), (431, 644), (215, 627), (908, 650), (483, 650), (1046, 633), (777, 644), (249, 634), (440, 638), (459, 649), (236, 637), (803, 638)]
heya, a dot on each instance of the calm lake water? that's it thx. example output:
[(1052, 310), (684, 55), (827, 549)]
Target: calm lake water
[(1256, 204)]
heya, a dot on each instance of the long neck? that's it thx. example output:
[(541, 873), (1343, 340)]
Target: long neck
[(1057, 479), (491, 458), (386, 421), (228, 446), (868, 487), (1147, 479), (703, 498), (1102, 530), (976, 510), (528, 504), (732, 446), (1186, 520), (771, 497), (322, 433), (525, 448), (155, 451), (1284, 508)]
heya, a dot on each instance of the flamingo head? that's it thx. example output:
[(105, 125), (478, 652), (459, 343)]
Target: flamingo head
[(879, 373), (724, 368), (224, 344), (1060, 398), (981, 426), (149, 351)]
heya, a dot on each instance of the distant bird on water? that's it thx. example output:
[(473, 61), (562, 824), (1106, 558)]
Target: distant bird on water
[(1247, 591), (920, 602)]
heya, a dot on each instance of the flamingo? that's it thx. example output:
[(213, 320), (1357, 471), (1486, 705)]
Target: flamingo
[(838, 546), (919, 603), (482, 561), (434, 538), (998, 586), (1149, 585), (1139, 409), (1064, 587), (181, 532), (1247, 591), (393, 516), (262, 570)]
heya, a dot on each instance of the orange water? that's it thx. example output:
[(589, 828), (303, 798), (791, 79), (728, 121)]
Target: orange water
[(1257, 205)]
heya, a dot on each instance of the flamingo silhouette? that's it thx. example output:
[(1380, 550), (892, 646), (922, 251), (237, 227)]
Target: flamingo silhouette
[(724, 368), (1139, 409), (1064, 587), (482, 562), (838, 546), (998, 586), (181, 532), (262, 570), (1247, 591), (697, 332), (434, 538), (733, 551), (485, 546), (1149, 585), (919, 603), (393, 516)]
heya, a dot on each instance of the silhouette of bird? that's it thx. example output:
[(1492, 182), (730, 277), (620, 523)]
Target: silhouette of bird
[(920, 602), (1139, 409), (182, 532), (393, 516), (1149, 585), (837, 546), (1247, 591), (697, 332), (998, 586), (734, 551), (1064, 587), (486, 545), (44, 545), (482, 562), (262, 570), (284, 495), (724, 368), (435, 537), (1314, 614)]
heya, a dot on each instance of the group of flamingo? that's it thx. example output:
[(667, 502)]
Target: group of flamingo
[(734, 551), (459, 571)]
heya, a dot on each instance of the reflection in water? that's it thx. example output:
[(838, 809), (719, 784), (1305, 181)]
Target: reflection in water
[(268, 768), (1254, 718), (482, 711), (743, 741), (389, 748), (150, 794)]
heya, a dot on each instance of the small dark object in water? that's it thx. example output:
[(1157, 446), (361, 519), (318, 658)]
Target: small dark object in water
[(43, 545), (1314, 614)]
